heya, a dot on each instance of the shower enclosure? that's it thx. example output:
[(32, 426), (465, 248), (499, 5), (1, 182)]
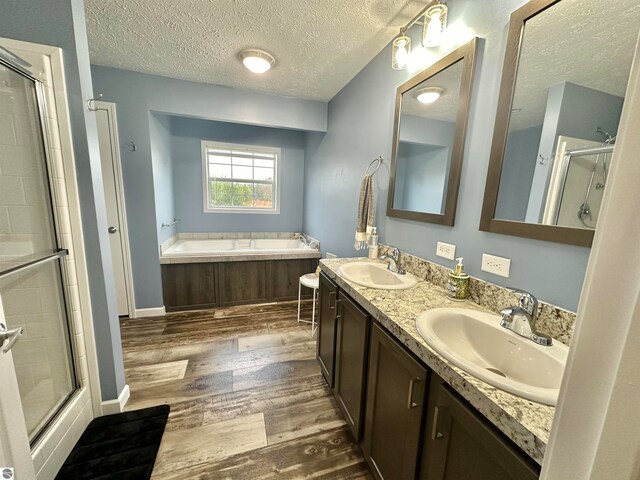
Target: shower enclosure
[(34, 314), (577, 183)]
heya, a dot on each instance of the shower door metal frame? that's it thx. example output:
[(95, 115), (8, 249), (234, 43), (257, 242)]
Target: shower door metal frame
[(59, 253), (566, 161)]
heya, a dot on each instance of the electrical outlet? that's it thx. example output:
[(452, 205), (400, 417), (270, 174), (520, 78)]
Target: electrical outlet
[(446, 250), (496, 265), (330, 255)]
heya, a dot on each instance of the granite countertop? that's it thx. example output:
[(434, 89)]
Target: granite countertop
[(525, 422), (238, 257)]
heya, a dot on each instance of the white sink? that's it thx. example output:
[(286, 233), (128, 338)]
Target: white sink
[(476, 343), (375, 275)]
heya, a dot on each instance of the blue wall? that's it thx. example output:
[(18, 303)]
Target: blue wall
[(162, 160), (187, 176), (61, 23), (360, 128), (421, 177), (138, 96), (520, 158)]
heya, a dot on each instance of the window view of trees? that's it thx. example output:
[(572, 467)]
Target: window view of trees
[(240, 177), (223, 193)]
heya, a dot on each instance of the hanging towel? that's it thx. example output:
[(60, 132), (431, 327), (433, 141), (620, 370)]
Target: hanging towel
[(366, 212)]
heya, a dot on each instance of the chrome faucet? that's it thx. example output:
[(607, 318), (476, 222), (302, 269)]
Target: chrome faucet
[(522, 319), (394, 261), (309, 243)]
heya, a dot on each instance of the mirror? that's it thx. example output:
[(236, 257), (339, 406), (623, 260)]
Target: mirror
[(564, 79), (428, 141)]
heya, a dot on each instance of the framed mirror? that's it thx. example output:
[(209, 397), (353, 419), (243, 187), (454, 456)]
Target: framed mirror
[(428, 139), (564, 79)]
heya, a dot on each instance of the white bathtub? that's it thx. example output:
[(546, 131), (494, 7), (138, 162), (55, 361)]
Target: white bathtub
[(207, 248)]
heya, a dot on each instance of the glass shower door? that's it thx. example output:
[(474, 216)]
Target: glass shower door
[(33, 286)]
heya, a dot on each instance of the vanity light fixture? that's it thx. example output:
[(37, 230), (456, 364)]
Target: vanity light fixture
[(435, 22), (400, 51), (257, 61), (429, 94), (433, 18)]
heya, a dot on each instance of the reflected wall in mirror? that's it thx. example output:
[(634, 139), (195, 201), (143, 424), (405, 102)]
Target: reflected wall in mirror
[(565, 75), (428, 144)]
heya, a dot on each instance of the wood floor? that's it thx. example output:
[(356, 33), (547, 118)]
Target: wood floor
[(246, 394)]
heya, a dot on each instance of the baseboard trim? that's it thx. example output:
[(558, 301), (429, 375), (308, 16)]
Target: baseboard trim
[(150, 312), (116, 405)]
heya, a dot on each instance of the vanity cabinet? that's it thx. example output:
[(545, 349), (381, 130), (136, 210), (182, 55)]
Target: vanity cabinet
[(396, 391), (326, 346), (460, 445), (408, 422), (352, 345)]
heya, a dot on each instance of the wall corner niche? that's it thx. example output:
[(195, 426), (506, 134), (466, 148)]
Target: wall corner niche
[(559, 108), (428, 139)]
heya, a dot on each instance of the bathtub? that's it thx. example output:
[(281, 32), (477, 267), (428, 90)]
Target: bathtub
[(236, 247)]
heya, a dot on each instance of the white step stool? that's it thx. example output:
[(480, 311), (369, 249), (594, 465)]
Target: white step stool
[(310, 281)]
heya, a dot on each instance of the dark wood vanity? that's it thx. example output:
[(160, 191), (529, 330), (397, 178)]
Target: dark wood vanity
[(408, 422), (190, 286)]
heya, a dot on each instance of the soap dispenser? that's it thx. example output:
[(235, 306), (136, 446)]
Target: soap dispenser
[(373, 244), (458, 282)]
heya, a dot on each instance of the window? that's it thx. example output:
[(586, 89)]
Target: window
[(240, 178)]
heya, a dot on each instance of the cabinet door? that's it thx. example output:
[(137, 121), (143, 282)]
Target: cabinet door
[(352, 339), (189, 286), (396, 388), (243, 282), (326, 348), (461, 445)]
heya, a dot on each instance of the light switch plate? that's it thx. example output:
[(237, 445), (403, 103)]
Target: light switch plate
[(496, 265), (446, 250)]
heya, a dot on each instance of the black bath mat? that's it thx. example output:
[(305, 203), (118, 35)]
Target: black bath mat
[(122, 446)]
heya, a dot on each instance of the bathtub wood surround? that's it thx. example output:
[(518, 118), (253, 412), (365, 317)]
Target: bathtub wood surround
[(246, 393), (189, 286)]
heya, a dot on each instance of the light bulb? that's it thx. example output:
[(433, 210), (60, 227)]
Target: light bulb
[(402, 55), (434, 25)]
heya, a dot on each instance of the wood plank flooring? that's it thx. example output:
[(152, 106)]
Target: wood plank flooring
[(246, 394)]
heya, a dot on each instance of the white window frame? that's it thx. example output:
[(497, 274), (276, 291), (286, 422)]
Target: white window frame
[(205, 144)]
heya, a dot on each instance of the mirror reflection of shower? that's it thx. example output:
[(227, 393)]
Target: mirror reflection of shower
[(584, 210), (578, 180)]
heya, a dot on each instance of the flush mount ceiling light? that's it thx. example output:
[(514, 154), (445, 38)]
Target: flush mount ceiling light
[(433, 18), (257, 61), (429, 94)]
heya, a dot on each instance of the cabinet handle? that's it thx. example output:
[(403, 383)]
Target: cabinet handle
[(436, 434), (410, 403), (338, 305), (332, 305)]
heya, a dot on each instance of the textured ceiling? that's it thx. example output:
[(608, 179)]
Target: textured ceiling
[(319, 45), (588, 42), (443, 109)]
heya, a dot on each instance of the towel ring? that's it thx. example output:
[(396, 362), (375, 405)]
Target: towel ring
[(379, 160), (91, 105)]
